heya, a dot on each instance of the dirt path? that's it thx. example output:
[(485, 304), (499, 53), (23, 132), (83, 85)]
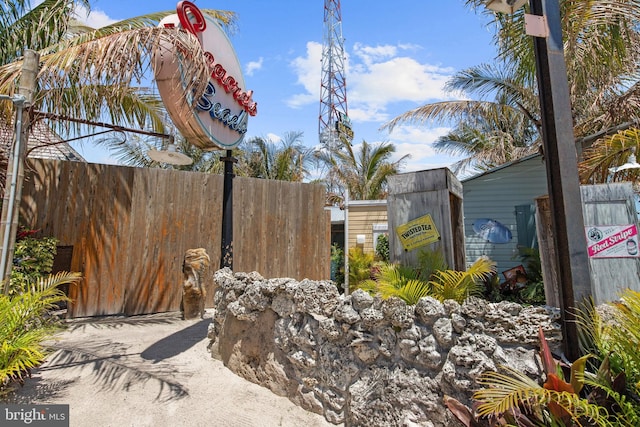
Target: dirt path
[(152, 371)]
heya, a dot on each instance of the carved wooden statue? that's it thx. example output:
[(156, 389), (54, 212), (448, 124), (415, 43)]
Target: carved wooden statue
[(195, 265)]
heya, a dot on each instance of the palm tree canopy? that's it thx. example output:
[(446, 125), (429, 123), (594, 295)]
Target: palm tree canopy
[(87, 73), (602, 52), (364, 172), (286, 160)]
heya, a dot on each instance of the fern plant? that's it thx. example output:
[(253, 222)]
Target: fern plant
[(25, 324), (410, 285), (459, 285), (397, 280)]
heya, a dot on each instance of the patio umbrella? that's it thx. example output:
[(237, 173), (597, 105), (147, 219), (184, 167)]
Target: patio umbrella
[(492, 230)]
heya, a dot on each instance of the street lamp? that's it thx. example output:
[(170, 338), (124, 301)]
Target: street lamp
[(631, 163), (505, 6), (573, 276)]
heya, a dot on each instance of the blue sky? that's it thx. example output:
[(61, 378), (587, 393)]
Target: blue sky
[(399, 55)]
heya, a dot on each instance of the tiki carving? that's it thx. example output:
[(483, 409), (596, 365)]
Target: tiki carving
[(195, 265)]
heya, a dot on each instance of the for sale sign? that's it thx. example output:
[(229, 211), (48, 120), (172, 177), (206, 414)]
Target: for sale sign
[(612, 241)]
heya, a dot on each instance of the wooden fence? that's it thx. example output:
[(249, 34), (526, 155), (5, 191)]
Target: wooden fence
[(130, 227), (602, 205)]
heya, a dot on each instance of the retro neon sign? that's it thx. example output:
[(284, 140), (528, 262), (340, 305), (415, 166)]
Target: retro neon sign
[(219, 120)]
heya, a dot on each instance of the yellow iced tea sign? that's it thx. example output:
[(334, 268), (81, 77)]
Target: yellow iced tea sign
[(419, 232)]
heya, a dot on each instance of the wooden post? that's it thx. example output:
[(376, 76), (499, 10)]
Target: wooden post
[(15, 167)]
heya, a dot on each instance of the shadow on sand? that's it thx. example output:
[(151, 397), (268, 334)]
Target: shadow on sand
[(177, 342)]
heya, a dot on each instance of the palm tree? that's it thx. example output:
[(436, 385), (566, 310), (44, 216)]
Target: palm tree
[(287, 160), (363, 173), (500, 126), (601, 50), (25, 325), (132, 150), (92, 73)]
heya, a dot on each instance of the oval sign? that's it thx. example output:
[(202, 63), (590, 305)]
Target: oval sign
[(219, 120)]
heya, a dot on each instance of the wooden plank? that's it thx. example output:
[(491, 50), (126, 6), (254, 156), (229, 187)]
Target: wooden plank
[(611, 204), (130, 228), (548, 259)]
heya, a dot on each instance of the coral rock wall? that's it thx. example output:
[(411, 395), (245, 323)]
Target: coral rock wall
[(362, 360)]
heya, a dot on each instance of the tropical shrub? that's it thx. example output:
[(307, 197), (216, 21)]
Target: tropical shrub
[(396, 280), (32, 259), (459, 285), (411, 284), (337, 265), (429, 262), (360, 264), (382, 247), (603, 385), (25, 323)]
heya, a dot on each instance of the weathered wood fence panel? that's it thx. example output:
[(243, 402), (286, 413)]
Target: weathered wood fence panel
[(130, 227), (602, 205), (436, 192)]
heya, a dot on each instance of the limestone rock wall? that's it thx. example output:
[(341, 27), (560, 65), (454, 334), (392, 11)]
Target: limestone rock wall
[(362, 360)]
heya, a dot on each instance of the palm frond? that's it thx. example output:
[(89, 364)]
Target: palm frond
[(512, 391), (23, 324), (609, 152), (459, 285)]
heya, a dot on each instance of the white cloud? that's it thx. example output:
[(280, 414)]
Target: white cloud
[(418, 143), (95, 19), (397, 79), (369, 54), (377, 76), (253, 66), (308, 70), (417, 134), (273, 138)]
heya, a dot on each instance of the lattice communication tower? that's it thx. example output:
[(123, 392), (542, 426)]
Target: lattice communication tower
[(334, 123)]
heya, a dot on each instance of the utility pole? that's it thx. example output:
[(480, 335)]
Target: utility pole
[(574, 276), (15, 164), (572, 260)]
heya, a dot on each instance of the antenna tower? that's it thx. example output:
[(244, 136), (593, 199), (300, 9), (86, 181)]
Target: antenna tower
[(334, 123)]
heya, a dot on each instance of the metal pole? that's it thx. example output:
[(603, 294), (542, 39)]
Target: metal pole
[(15, 167), (346, 241), (562, 172), (226, 254)]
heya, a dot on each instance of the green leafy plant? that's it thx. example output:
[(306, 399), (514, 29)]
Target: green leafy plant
[(397, 280), (603, 385), (429, 262), (530, 257), (360, 264), (459, 285), (337, 265), (408, 283), (25, 323), (382, 247), (32, 259)]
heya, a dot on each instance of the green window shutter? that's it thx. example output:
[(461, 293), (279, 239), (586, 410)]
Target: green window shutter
[(526, 226)]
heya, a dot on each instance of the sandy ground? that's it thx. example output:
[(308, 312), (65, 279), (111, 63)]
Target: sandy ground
[(152, 370)]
